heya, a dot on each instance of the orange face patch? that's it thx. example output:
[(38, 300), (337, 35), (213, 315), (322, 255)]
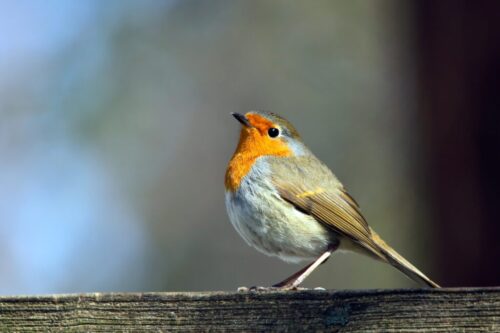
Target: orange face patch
[(254, 143)]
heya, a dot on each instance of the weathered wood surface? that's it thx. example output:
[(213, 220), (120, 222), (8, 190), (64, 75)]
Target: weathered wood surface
[(445, 310)]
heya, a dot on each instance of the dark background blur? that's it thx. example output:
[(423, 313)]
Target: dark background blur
[(115, 132)]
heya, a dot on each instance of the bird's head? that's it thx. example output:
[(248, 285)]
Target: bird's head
[(265, 133), (262, 134)]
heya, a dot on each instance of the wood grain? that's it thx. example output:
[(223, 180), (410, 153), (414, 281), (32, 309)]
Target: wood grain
[(441, 310)]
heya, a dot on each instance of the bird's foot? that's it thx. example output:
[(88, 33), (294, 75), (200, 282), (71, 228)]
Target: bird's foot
[(272, 288), (257, 288)]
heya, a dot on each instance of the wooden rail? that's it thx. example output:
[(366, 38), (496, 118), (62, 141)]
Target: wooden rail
[(444, 310)]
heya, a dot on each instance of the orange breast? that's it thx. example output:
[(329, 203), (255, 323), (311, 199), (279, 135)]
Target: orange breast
[(254, 143)]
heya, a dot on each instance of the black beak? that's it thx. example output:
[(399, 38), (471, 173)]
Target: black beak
[(242, 119)]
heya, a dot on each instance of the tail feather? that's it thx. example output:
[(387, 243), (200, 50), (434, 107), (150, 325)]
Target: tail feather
[(396, 260)]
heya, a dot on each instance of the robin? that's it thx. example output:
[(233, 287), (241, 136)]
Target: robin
[(286, 203)]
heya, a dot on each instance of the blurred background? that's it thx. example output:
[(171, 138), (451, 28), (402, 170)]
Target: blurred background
[(115, 133)]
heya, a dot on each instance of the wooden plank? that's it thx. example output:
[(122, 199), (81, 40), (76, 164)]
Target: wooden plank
[(436, 310)]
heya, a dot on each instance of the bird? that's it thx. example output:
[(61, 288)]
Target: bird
[(283, 201)]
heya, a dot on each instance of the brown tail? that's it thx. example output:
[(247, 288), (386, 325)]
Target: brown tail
[(393, 258)]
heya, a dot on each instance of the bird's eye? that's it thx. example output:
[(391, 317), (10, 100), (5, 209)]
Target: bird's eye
[(273, 132)]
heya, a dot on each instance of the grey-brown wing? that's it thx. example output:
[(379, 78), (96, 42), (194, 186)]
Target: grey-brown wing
[(324, 198)]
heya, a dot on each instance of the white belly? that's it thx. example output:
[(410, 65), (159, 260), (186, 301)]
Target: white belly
[(271, 225)]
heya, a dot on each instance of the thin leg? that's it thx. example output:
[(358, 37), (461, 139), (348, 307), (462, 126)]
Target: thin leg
[(297, 278), (291, 278)]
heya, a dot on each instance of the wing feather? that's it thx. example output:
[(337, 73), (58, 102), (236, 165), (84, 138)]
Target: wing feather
[(334, 209), (325, 199)]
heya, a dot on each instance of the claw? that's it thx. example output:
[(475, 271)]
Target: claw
[(261, 288), (274, 288)]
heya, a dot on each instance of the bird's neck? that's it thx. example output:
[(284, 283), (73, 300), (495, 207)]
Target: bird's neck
[(237, 169), (245, 156)]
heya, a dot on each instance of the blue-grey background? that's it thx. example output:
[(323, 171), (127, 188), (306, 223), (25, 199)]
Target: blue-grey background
[(115, 132)]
